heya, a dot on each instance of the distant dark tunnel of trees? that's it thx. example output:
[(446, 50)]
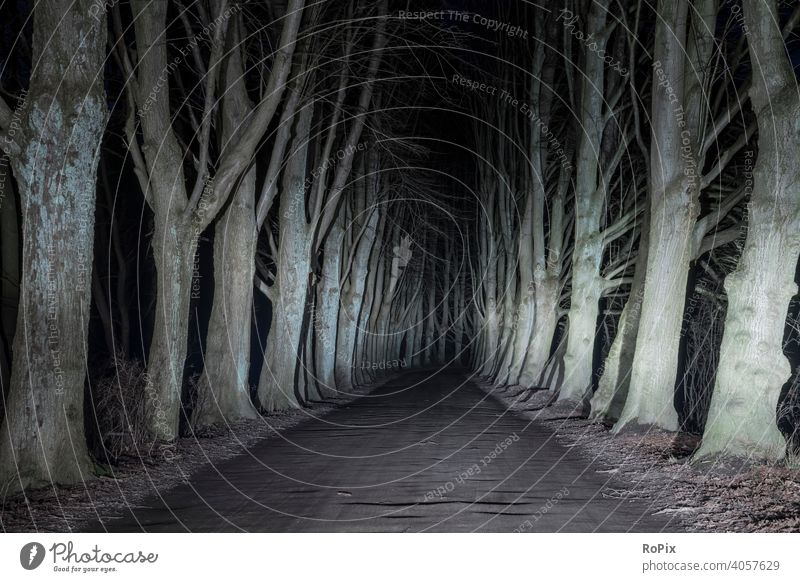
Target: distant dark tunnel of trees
[(213, 210)]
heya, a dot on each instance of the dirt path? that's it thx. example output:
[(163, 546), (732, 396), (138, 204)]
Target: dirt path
[(419, 453)]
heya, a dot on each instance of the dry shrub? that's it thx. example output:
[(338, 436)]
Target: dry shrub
[(194, 401), (119, 410)]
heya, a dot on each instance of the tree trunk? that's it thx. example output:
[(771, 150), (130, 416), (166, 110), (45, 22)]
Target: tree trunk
[(588, 252), (655, 365), (612, 390), (224, 386), (673, 214), (175, 256), (276, 387), (175, 232), (326, 314), (546, 320), (352, 299), (583, 313), (753, 368), (489, 259), (63, 121)]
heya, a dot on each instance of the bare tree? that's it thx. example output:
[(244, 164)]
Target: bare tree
[(54, 160), (753, 367), (181, 214)]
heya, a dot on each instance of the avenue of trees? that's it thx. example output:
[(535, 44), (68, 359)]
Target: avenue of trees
[(212, 210), (650, 278)]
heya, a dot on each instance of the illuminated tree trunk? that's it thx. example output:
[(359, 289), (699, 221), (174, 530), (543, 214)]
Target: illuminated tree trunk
[(62, 123), (753, 368), (612, 390), (352, 299), (673, 214), (587, 284), (326, 315), (276, 387), (224, 386)]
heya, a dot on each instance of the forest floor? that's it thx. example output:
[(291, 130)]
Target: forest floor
[(725, 495)]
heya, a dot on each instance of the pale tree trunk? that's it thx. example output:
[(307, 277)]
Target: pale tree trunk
[(523, 315), (546, 314), (375, 293), (352, 299), (62, 122), (365, 285), (326, 314), (224, 388), (326, 204), (654, 370), (508, 327), (546, 281), (174, 253), (381, 315), (175, 233), (753, 368), (276, 387), (673, 214), (541, 272), (225, 384), (531, 251), (371, 290), (612, 390), (587, 284), (547, 290), (489, 324), (180, 216), (488, 261)]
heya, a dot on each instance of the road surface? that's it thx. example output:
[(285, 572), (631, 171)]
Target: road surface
[(420, 453)]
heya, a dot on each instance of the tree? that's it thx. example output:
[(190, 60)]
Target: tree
[(54, 160), (304, 227), (181, 214), (689, 154), (752, 368)]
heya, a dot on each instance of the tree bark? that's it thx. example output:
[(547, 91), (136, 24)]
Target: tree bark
[(352, 299), (276, 387), (612, 390), (225, 389), (673, 213), (326, 314), (753, 368), (63, 120), (224, 386), (587, 284)]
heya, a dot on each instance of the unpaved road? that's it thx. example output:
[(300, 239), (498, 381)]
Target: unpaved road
[(420, 453)]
